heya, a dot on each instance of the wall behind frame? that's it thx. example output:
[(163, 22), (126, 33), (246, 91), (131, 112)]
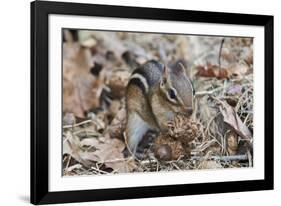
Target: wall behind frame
[(14, 104)]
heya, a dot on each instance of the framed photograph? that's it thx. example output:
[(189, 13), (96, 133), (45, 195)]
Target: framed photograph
[(131, 102)]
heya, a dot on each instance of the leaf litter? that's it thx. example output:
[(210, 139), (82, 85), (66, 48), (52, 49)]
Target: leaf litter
[(96, 69)]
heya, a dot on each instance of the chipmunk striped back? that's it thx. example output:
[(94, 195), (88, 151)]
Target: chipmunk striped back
[(147, 76)]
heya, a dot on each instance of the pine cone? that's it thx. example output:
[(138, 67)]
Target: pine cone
[(175, 143), (167, 148), (183, 129)]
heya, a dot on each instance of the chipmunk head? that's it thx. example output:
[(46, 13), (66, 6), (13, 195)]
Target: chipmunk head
[(177, 88)]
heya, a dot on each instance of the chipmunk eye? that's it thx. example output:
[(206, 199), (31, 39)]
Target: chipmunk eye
[(172, 94)]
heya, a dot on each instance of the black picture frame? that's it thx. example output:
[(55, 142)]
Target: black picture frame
[(40, 112)]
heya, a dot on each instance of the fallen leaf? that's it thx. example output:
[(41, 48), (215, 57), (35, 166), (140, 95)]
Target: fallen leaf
[(212, 71), (92, 142), (210, 164), (99, 121), (114, 107), (89, 43), (235, 89), (107, 151), (238, 70), (78, 83), (71, 146), (234, 70), (73, 167), (69, 119), (233, 120), (117, 126), (117, 83)]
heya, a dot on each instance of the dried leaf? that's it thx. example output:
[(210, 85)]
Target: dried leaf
[(73, 167), (109, 151), (69, 119), (232, 119), (117, 125), (235, 89), (235, 70), (89, 43), (92, 142), (213, 71), (209, 164), (232, 143), (78, 83), (99, 120), (238, 70), (80, 97), (117, 82), (71, 147)]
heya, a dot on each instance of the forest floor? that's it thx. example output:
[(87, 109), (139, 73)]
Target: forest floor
[(96, 69)]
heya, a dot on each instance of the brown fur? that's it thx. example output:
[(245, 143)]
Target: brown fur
[(137, 102)]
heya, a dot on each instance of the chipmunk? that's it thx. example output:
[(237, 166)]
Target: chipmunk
[(154, 95)]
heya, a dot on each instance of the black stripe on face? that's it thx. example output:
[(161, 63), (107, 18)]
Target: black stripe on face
[(138, 83)]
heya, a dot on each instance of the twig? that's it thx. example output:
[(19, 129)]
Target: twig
[(117, 160), (175, 165), (205, 145), (132, 154), (209, 124), (68, 162), (250, 158), (71, 168), (241, 98), (219, 58), (223, 158), (200, 158), (78, 124), (87, 133), (99, 171), (202, 93)]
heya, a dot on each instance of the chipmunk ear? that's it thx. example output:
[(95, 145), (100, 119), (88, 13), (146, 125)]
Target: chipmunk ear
[(165, 74), (164, 77), (179, 69)]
